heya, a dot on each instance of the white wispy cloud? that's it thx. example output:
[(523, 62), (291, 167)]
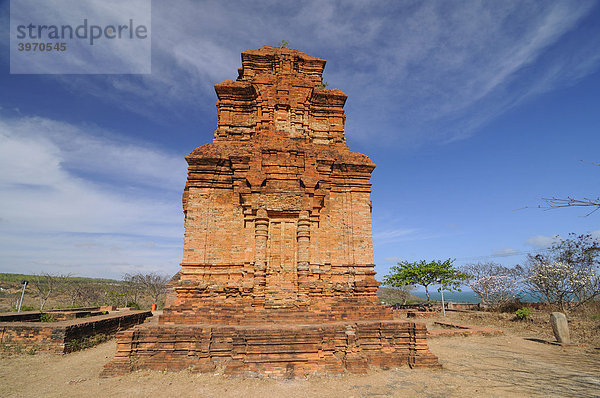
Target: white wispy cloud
[(506, 252), (112, 56), (543, 241), (64, 148), (393, 235), (436, 71), (72, 196), (393, 259), (469, 63)]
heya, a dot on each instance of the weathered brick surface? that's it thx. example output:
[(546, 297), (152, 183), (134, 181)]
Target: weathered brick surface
[(272, 350), (277, 233), (25, 316), (420, 314), (278, 214), (55, 336)]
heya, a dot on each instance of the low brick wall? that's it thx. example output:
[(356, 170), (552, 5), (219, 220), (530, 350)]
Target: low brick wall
[(68, 315), (76, 309), (65, 336), (463, 306), (421, 314), (25, 316), (56, 315)]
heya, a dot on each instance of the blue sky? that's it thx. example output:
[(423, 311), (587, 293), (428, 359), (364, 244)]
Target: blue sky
[(471, 110)]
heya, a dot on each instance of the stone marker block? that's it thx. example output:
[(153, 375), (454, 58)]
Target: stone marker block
[(560, 327)]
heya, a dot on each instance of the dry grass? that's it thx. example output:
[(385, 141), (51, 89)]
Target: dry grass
[(584, 325), (492, 366)]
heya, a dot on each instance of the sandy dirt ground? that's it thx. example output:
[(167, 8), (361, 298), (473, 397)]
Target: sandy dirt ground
[(486, 366)]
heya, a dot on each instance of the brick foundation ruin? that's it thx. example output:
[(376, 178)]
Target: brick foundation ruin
[(277, 276), (25, 332)]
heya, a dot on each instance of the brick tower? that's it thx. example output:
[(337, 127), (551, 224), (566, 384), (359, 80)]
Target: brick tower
[(277, 276)]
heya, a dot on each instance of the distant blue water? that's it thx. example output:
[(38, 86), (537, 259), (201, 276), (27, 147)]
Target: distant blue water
[(466, 296), (456, 297)]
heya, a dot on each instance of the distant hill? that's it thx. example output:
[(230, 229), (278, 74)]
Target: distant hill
[(17, 278), (392, 296), (69, 291)]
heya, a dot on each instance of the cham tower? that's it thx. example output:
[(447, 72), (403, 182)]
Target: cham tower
[(277, 276)]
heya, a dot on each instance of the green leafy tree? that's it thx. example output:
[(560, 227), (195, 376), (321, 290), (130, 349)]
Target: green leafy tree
[(425, 274)]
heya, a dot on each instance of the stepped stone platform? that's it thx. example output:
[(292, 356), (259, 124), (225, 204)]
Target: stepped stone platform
[(273, 350), (277, 277)]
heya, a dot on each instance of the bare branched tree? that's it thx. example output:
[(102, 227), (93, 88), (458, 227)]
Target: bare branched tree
[(495, 284), (556, 203), (116, 294), (135, 288), (152, 284), (73, 290), (80, 293), (47, 285), (569, 274)]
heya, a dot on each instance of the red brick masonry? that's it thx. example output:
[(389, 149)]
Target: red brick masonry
[(277, 276), (274, 350), (420, 314), (55, 336)]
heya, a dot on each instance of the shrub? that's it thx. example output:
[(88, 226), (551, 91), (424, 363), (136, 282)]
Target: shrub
[(523, 313), (86, 342), (46, 318), (510, 306), (133, 304)]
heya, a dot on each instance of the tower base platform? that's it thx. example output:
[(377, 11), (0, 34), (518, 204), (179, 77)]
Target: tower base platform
[(273, 350)]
